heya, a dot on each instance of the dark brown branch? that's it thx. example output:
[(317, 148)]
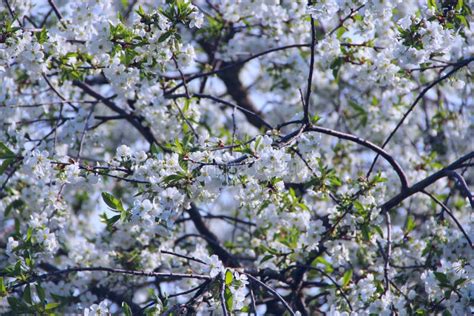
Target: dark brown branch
[(310, 75), (450, 213), (421, 185), (213, 242), (145, 131), (275, 293), (56, 11), (462, 186), (344, 296)]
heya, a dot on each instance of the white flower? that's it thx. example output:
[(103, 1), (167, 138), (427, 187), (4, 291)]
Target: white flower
[(72, 172), (101, 309), (197, 19), (215, 266), (140, 156), (123, 151), (11, 245)]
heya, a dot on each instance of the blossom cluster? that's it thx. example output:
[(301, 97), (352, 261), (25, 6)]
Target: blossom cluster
[(236, 157)]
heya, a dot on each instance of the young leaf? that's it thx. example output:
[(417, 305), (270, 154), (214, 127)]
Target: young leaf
[(41, 293), (5, 164), (126, 309), (112, 201), (229, 276), (346, 278), (51, 306), (442, 278), (229, 299), (3, 289), (410, 225), (432, 4), (5, 152), (27, 294)]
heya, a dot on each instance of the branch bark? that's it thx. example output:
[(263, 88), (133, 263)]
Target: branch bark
[(227, 258)]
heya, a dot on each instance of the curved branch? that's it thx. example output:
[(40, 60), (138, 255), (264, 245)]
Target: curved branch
[(251, 277), (462, 186), (398, 169), (421, 185), (450, 213), (211, 238)]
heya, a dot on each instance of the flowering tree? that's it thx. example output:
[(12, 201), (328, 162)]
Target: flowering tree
[(230, 157)]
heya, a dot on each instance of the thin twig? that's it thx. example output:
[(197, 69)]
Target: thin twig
[(310, 75), (450, 213), (275, 293)]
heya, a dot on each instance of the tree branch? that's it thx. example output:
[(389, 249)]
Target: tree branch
[(227, 258), (145, 131), (421, 185), (450, 213), (398, 169)]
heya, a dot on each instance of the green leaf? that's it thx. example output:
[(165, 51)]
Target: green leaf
[(245, 309), (27, 294), (378, 230), (155, 150), (112, 201), (432, 4), (126, 309), (15, 205), (459, 5), (109, 221), (321, 260), (459, 282), (229, 276), (266, 258), (442, 278), (229, 299), (336, 66), (29, 234), (51, 306), (447, 294), (42, 36), (366, 233), (124, 215), (173, 179), (446, 312), (346, 278), (5, 152), (165, 36), (41, 293), (5, 164), (315, 118), (3, 289), (462, 19), (410, 225), (341, 32), (187, 102), (140, 11)]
